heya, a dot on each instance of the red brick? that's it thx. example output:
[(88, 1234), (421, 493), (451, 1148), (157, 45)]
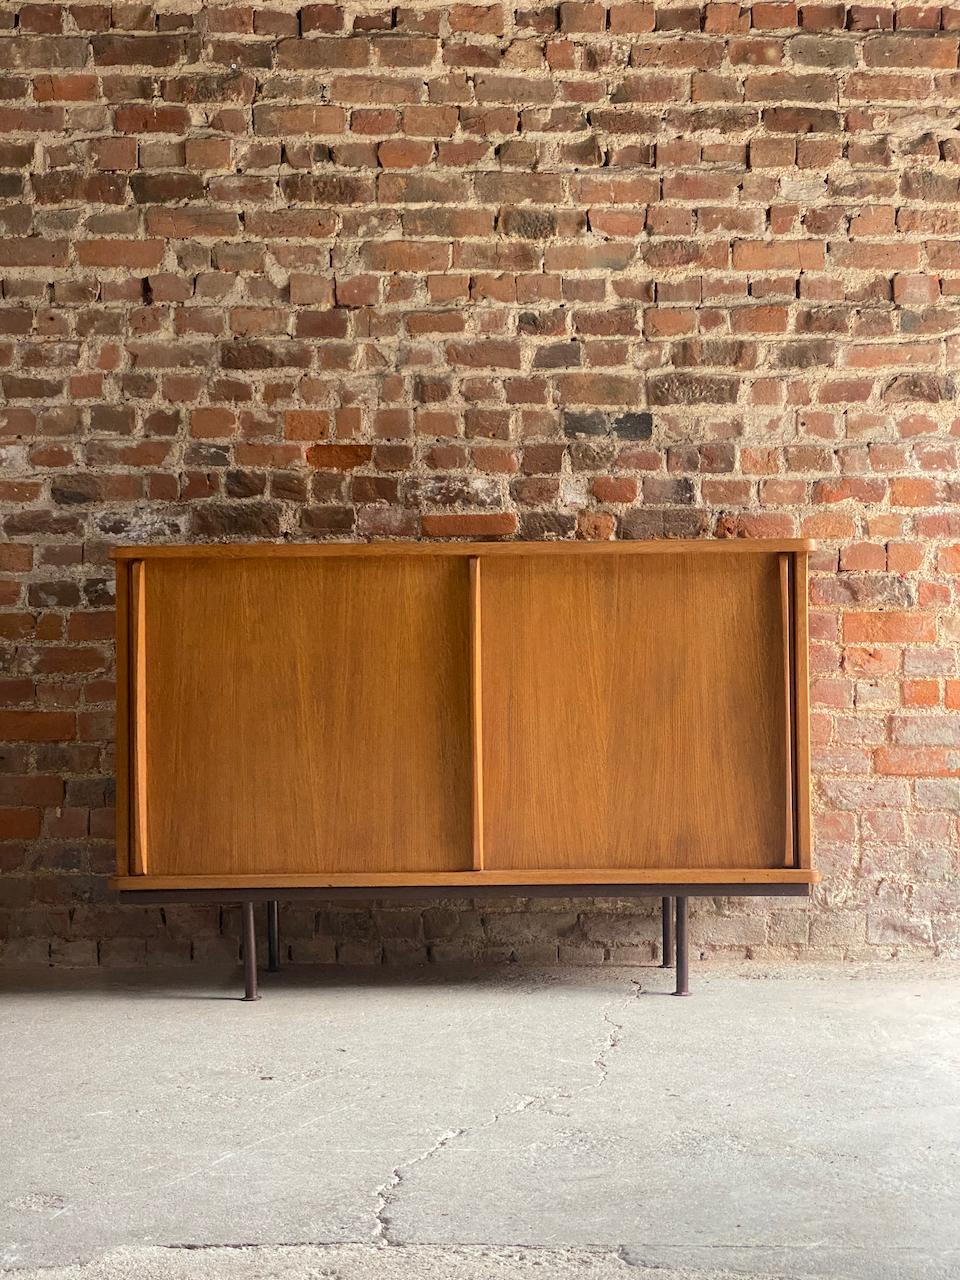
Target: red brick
[(120, 253), (321, 17), (774, 17), (933, 52), (143, 50), (307, 424), (402, 153), (890, 628), (339, 457), (37, 726), (920, 693), (577, 16), (822, 17), (497, 524), (725, 18), (778, 255), (19, 824), (614, 488), (488, 354), (33, 252), (918, 762), (75, 88), (140, 119), (45, 18), (114, 153), (630, 17), (916, 290)]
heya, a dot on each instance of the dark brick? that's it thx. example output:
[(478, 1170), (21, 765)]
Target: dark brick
[(634, 426), (71, 490), (528, 224), (585, 422), (235, 520), (561, 355)]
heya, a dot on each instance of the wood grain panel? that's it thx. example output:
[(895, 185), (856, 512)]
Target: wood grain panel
[(307, 716), (800, 649), (487, 550), (786, 625), (445, 879), (634, 712), (138, 640), (123, 736), (476, 713)]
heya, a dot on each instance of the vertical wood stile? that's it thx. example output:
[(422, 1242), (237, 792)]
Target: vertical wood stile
[(476, 713), (802, 705), (139, 717), (786, 611), (122, 667)]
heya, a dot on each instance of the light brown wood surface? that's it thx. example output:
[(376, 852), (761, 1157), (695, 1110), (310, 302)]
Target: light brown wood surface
[(142, 710), (785, 566), (488, 550), (307, 717), (450, 879), (476, 713), (801, 702), (634, 713), (124, 716), (463, 713)]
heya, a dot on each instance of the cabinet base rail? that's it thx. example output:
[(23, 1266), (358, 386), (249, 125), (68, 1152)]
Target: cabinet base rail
[(673, 907)]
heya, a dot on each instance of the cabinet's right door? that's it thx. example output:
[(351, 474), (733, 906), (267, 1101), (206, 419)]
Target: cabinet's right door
[(635, 712)]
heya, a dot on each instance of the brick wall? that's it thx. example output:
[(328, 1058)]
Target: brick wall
[(537, 271)]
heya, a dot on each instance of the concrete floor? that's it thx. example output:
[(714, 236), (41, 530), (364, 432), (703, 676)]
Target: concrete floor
[(491, 1125)]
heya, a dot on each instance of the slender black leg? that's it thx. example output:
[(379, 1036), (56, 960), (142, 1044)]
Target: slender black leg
[(666, 919), (683, 975), (249, 952), (273, 935)]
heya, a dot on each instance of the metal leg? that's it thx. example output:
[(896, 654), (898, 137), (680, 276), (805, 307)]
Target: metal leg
[(683, 975), (666, 920), (249, 952), (273, 935)]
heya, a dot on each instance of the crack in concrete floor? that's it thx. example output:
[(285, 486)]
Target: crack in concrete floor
[(388, 1191)]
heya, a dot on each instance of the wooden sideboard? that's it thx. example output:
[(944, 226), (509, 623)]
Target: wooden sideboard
[(615, 718)]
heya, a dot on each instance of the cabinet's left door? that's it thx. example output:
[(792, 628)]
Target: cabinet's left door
[(300, 715)]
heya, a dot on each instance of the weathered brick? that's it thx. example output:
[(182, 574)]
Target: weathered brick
[(143, 50), (475, 525), (890, 628), (37, 726), (272, 120)]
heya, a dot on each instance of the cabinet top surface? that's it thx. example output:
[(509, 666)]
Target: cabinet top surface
[(660, 546)]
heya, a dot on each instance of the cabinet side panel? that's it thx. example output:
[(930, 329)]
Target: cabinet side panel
[(309, 716), (476, 714), (138, 718), (123, 730), (789, 699), (634, 713), (800, 648)]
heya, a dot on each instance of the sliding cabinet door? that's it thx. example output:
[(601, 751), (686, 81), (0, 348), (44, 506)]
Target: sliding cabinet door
[(301, 715), (635, 712)]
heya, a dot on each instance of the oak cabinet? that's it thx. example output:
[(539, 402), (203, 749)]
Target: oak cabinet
[(294, 717)]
